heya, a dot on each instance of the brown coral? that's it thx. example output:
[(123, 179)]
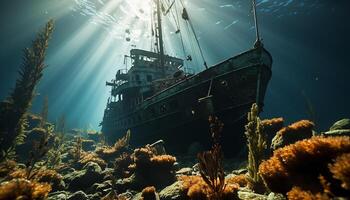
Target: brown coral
[(149, 193), (297, 193), (241, 180), (121, 166), (156, 170), (40, 176), (24, 189), (6, 167), (196, 188), (111, 152), (288, 135), (302, 163), (272, 125), (163, 161), (341, 170)]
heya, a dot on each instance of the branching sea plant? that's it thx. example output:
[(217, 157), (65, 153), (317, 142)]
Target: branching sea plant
[(44, 112), (39, 151), (77, 149), (210, 165), (14, 108), (256, 142)]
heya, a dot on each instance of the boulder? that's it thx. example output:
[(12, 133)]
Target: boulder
[(184, 171), (172, 192), (83, 179), (276, 196), (249, 195)]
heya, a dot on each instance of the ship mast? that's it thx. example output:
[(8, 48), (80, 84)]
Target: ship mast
[(160, 34), (258, 42)]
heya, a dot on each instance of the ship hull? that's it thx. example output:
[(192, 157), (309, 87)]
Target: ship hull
[(179, 114)]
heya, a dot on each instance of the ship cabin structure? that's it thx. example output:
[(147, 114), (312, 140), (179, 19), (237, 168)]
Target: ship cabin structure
[(143, 80)]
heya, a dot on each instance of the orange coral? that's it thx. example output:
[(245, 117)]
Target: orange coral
[(155, 169), (48, 176), (6, 167), (230, 192), (19, 173), (302, 126), (24, 189), (41, 176), (241, 180), (121, 166), (297, 193), (293, 133), (142, 155), (301, 164), (148, 193), (196, 189), (111, 152), (272, 125), (341, 170), (163, 161)]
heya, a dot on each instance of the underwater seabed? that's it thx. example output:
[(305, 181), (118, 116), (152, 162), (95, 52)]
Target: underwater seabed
[(283, 162), (42, 160)]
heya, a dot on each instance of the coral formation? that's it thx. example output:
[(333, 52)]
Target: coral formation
[(256, 142), (341, 170), (14, 109), (156, 170), (271, 126), (241, 180), (195, 188), (111, 152), (288, 135), (121, 165), (210, 163), (40, 176), (6, 167), (24, 189), (297, 193), (76, 151), (91, 157), (302, 163), (149, 193)]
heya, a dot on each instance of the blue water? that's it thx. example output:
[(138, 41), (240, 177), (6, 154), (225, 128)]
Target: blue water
[(308, 40)]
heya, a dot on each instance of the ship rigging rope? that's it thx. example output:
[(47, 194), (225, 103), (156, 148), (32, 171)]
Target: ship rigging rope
[(177, 21), (195, 35), (152, 30), (174, 14)]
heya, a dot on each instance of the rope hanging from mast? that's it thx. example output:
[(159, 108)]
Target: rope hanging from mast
[(186, 17)]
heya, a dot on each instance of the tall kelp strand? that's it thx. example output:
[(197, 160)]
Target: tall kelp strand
[(14, 108)]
